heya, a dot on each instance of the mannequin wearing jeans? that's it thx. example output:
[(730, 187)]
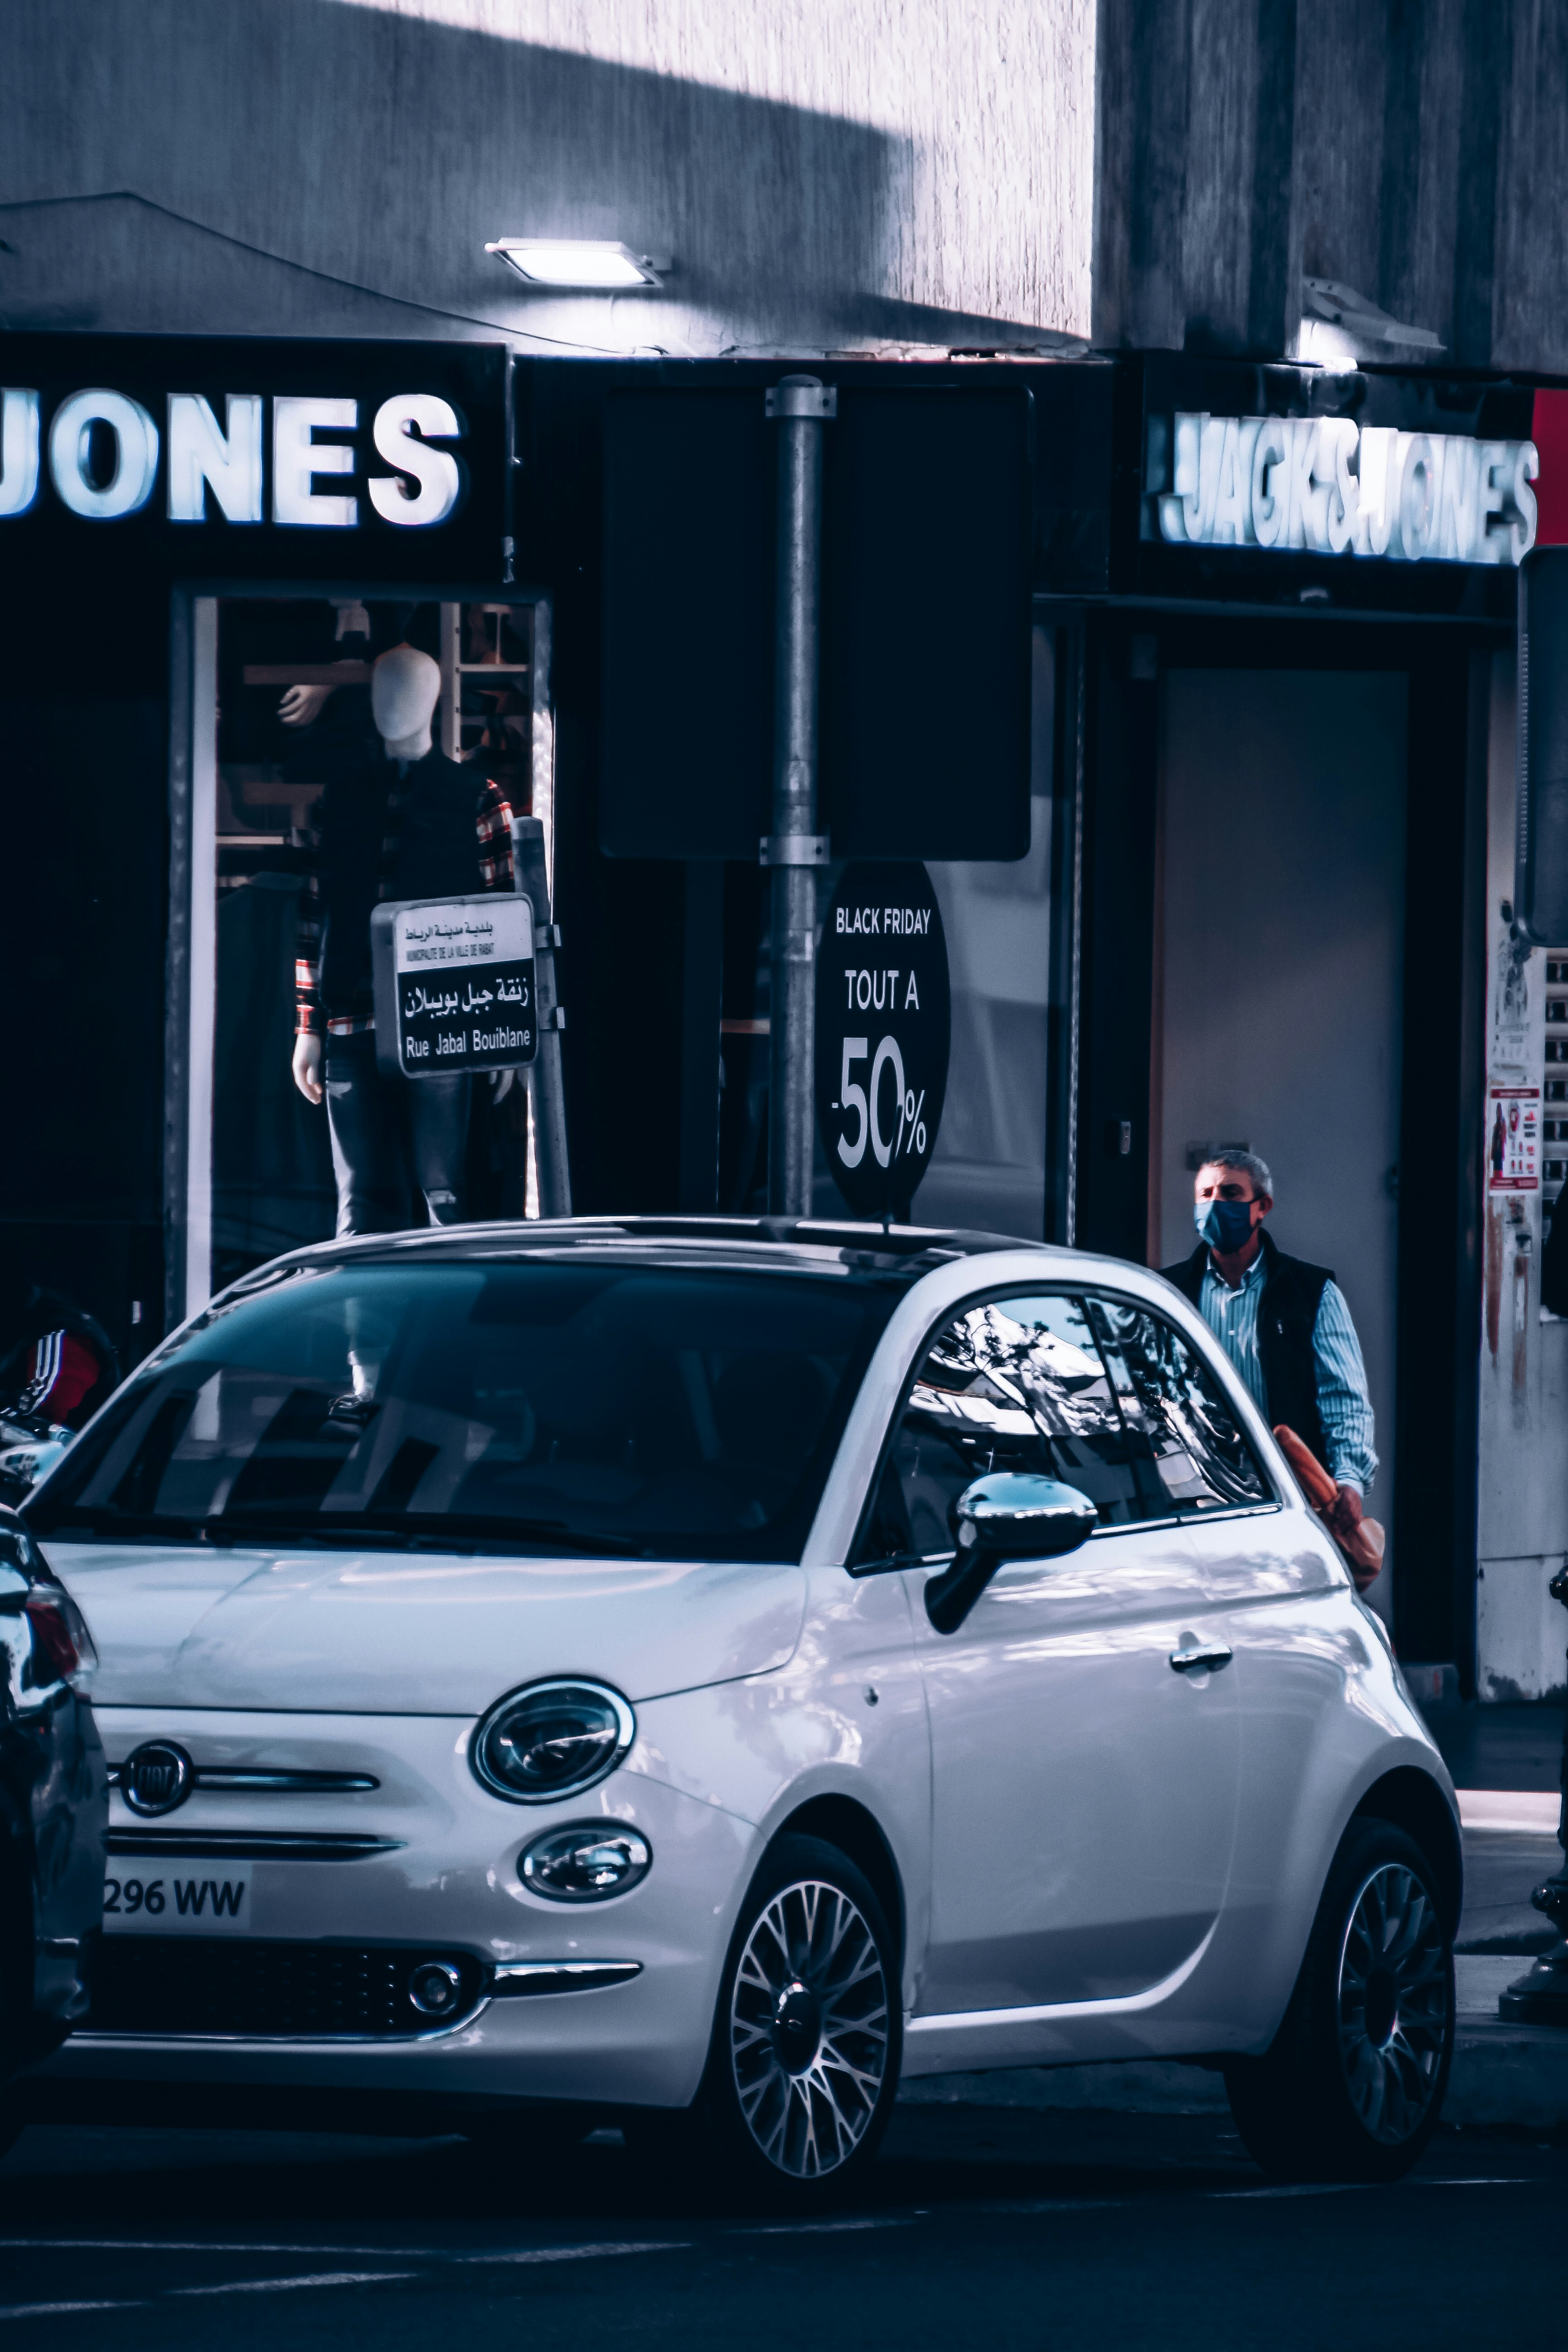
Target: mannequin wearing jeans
[(421, 827), (363, 1117)]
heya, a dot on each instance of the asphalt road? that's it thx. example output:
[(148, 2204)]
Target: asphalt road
[(982, 2226)]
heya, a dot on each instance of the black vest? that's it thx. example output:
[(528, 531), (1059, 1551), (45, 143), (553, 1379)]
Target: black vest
[(436, 857), (1287, 1317)]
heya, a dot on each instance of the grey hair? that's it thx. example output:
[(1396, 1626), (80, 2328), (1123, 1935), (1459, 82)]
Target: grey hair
[(1244, 1163)]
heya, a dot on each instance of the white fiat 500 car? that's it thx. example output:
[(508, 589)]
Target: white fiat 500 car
[(655, 1670)]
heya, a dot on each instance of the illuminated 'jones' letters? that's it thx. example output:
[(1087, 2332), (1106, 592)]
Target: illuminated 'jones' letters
[(135, 440), (298, 458), (436, 471), (203, 457), (103, 449), (19, 451)]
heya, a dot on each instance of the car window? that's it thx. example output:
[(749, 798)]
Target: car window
[(1106, 1398), (1169, 1398), (1014, 1383), (667, 1412)]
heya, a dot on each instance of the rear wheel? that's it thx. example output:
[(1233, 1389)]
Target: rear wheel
[(1352, 2085)]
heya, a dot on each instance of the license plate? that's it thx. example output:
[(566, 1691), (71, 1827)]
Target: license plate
[(178, 1902)]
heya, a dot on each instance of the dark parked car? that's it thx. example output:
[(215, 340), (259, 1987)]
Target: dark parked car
[(54, 1807)]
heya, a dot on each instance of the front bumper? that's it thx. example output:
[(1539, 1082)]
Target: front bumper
[(442, 1875)]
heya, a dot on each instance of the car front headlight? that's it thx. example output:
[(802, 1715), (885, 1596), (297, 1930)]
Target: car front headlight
[(586, 1863), (552, 1740)]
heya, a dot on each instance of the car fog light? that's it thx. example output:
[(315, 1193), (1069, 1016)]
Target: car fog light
[(585, 1863), (434, 1988), (552, 1740)]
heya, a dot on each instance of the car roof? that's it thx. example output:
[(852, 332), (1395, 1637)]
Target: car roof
[(802, 1244)]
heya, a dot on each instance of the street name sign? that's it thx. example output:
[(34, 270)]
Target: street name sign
[(453, 984)]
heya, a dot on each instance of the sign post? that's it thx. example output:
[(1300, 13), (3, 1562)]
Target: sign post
[(549, 1091), (884, 1027), (800, 405)]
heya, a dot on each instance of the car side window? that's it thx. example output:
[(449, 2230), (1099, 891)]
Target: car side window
[(1172, 1402), (1010, 1384)]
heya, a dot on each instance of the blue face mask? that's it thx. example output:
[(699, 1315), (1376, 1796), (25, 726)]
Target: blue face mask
[(1225, 1225)]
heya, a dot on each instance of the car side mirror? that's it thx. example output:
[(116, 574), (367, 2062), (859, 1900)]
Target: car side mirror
[(1011, 1515), (22, 1466)]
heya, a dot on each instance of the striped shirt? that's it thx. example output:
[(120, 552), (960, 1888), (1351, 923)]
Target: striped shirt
[(1344, 1405)]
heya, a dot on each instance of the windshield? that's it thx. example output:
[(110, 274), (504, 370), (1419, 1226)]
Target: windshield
[(665, 1411)]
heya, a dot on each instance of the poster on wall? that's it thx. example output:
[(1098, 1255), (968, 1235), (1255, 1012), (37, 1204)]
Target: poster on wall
[(884, 1027), (1513, 1140)]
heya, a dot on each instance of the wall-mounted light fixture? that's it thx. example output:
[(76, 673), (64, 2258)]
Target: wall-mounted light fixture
[(589, 263)]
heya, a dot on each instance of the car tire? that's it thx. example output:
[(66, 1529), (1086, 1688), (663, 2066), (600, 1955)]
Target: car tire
[(803, 2069), (1352, 2084)]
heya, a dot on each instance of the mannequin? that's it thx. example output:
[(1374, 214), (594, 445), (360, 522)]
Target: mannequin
[(302, 705), (415, 825)]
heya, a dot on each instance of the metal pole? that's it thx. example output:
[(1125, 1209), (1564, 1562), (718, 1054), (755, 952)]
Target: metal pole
[(1074, 990), (800, 405), (547, 1089)]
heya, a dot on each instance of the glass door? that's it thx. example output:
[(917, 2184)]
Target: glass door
[(301, 816)]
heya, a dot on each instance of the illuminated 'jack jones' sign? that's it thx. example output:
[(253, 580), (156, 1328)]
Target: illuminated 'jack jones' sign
[(102, 449), (1328, 486)]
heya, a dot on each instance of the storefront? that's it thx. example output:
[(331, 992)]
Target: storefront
[(205, 545), (1265, 754), (1297, 691)]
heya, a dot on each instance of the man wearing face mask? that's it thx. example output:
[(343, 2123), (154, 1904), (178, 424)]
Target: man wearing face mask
[(1284, 1325)]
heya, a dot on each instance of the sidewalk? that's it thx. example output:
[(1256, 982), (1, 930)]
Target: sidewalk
[(1498, 1746), (1501, 1867)]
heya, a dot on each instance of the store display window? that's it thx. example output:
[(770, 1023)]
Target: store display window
[(346, 749)]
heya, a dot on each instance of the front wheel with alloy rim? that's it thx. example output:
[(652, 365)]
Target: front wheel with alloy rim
[(1352, 2087), (803, 2067)]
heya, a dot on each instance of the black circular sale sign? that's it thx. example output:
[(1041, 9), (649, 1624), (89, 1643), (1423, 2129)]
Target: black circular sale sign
[(884, 1022)]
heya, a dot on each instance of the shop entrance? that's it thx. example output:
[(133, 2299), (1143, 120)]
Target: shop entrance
[(281, 714), (1278, 995)]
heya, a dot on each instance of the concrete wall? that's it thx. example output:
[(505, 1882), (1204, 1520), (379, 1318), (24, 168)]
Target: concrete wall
[(1523, 1501), (877, 173), (1414, 150), (824, 173)]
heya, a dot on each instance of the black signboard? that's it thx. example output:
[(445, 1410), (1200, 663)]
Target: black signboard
[(1361, 490), (884, 1022), (454, 985), (928, 512), (243, 458)]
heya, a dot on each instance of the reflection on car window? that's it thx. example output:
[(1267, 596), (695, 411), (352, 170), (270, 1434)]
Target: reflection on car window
[(1169, 1397), (1106, 1398), (667, 1412)]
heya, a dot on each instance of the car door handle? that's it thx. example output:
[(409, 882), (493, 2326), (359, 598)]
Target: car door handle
[(1207, 1653)]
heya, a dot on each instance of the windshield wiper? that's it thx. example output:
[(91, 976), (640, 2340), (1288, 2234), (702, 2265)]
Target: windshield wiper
[(102, 1523), (432, 1531)]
